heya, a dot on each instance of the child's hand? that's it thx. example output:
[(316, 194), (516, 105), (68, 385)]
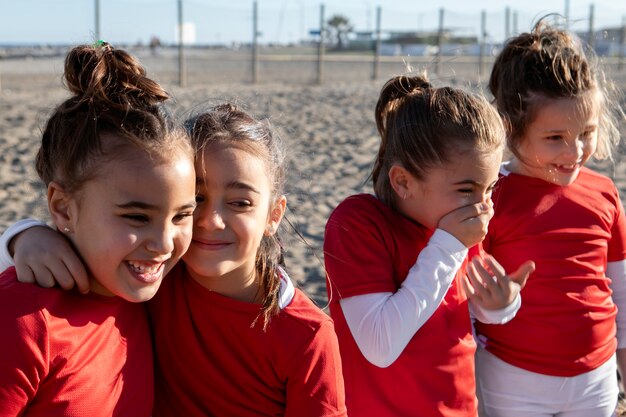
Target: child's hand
[(490, 287), (43, 256), (468, 224)]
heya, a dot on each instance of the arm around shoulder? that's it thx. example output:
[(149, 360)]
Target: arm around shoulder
[(6, 255)]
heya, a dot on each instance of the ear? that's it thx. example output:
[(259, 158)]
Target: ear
[(277, 211), (59, 205), (401, 181)]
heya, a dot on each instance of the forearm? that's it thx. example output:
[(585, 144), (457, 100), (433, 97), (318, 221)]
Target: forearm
[(382, 324), (6, 240)]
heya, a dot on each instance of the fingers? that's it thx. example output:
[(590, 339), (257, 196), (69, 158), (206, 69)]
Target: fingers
[(45, 257), (520, 276), (467, 287), (471, 212), (77, 273), (40, 276), (484, 284), (468, 224), (499, 274)]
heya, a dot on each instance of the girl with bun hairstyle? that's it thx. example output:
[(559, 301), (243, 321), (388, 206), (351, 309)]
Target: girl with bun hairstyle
[(121, 189)]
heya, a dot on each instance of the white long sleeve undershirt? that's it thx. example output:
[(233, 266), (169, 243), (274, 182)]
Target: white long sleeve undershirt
[(617, 272), (382, 324), (6, 260)]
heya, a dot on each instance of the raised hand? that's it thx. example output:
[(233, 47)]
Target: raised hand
[(469, 223), (488, 285)]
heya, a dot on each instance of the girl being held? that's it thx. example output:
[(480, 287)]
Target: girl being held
[(232, 335), (231, 313), (120, 187), (396, 260), (560, 349)]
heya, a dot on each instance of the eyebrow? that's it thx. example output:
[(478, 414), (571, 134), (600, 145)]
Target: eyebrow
[(471, 182), (238, 185), (145, 206), (242, 186)]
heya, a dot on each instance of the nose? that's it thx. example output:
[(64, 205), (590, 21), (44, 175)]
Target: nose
[(161, 240), (209, 218), (574, 149)]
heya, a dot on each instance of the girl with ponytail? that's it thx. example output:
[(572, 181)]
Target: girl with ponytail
[(397, 260)]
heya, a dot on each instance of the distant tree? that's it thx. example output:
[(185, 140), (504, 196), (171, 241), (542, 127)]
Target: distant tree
[(338, 28)]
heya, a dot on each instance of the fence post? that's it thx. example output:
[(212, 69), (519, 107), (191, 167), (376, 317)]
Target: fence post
[(483, 41), (622, 44), (507, 23), (320, 48), (182, 74), (255, 45), (591, 36), (377, 46), (97, 20), (439, 43)]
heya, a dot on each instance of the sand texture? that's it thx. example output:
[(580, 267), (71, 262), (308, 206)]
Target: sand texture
[(329, 131)]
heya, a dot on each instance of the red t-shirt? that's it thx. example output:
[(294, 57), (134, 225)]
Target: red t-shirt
[(566, 325), (369, 248), (210, 362), (68, 354)]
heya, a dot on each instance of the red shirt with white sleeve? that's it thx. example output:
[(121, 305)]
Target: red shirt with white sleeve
[(370, 248), (566, 325)]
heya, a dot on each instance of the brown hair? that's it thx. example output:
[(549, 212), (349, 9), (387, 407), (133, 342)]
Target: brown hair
[(114, 107), (228, 125), (550, 63), (421, 126)]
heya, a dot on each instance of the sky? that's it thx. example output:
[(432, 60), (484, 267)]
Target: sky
[(279, 21)]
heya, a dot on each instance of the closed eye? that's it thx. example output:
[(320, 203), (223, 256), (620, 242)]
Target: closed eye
[(241, 203), (182, 216), (139, 218)]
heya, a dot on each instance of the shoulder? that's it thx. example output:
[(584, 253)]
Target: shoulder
[(304, 314), (23, 308), (361, 214), (359, 203), (16, 293), (593, 182), (588, 174)]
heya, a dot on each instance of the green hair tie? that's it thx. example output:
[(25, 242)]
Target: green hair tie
[(100, 43)]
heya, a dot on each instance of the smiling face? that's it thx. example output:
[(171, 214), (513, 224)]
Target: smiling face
[(559, 141), (133, 222), (467, 178), (235, 203)]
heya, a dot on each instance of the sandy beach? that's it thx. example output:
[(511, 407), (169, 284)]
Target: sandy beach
[(329, 131)]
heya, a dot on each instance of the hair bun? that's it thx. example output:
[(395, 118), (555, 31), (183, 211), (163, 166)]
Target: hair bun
[(101, 74)]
